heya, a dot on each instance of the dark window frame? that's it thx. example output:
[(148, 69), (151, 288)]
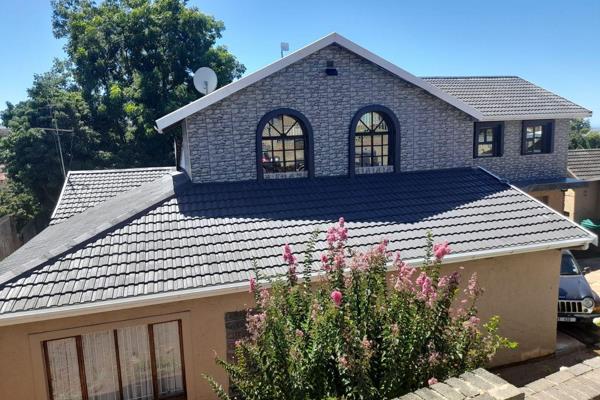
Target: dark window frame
[(81, 363), (497, 140), (547, 136), (308, 139), (393, 132)]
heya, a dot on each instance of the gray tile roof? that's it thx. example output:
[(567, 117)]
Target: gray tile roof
[(585, 164), (208, 235), (508, 97), (85, 189)]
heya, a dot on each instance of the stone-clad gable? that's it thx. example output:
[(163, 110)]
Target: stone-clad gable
[(433, 134)]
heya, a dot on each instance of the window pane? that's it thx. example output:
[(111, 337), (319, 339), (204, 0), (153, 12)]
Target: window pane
[(100, 363), (529, 132), (299, 155), (288, 123), (299, 144), (64, 369), (484, 149), (537, 131), (169, 371), (134, 355), (384, 160), (367, 122), (382, 127), (366, 140), (269, 131), (277, 124), (377, 140)]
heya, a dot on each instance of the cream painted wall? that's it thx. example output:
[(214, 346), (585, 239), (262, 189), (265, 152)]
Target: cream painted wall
[(522, 289), (556, 198), (582, 203)]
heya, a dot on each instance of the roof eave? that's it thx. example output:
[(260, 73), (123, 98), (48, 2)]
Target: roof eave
[(523, 117), (205, 101), (238, 287)]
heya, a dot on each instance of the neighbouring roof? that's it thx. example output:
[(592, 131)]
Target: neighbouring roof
[(483, 98), (508, 97), (202, 239), (85, 189), (584, 164)]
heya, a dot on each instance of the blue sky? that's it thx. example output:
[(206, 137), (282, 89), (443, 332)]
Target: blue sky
[(555, 44)]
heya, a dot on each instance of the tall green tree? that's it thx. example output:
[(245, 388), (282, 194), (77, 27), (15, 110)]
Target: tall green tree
[(133, 60), (128, 63), (578, 129)]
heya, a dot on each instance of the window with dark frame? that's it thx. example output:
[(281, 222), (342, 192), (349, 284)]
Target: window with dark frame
[(537, 137), (372, 141), (487, 141), (130, 363), (283, 145)]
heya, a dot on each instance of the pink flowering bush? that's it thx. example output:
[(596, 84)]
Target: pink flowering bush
[(361, 333)]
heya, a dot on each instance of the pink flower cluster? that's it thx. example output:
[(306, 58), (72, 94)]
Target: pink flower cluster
[(405, 273), (472, 323), (441, 250), (255, 324), (252, 285), (291, 261), (425, 290), (337, 234), (336, 297)]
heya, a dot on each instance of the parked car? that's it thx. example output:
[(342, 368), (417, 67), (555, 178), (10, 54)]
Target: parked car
[(577, 302)]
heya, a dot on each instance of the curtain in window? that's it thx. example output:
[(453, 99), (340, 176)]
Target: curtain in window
[(168, 358), (64, 369), (100, 363), (134, 356)]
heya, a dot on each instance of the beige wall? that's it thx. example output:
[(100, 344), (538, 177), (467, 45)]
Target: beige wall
[(555, 198), (522, 289), (582, 203)]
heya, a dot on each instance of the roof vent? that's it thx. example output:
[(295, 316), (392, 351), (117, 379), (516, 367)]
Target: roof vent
[(331, 70)]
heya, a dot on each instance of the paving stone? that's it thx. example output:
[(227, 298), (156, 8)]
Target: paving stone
[(561, 394), (593, 362), (507, 392), (579, 369), (595, 385), (484, 396), (465, 388), (560, 376), (476, 381), (578, 386), (488, 376), (447, 392), (428, 394), (410, 396), (527, 391), (539, 385)]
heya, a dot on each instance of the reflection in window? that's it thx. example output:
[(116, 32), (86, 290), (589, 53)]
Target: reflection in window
[(488, 139), (283, 145), (537, 137), (371, 141)]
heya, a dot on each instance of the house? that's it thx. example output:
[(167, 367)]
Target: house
[(584, 202), (142, 277)]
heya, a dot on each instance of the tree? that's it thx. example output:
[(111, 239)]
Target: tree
[(578, 129), (129, 63), (133, 60), (30, 154), (356, 335)]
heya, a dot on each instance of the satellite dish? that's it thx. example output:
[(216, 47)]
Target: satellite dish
[(205, 80)]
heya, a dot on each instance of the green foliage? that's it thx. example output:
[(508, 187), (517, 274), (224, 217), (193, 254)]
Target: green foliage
[(16, 200), (581, 136), (129, 63), (359, 334)]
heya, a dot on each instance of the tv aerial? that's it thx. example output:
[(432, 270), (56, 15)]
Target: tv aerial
[(205, 80)]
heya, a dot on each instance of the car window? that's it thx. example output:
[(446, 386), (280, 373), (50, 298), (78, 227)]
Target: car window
[(568, 265)]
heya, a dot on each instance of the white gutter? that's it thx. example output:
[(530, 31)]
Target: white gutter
[(239, 287)]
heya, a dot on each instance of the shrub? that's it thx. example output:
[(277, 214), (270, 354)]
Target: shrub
[(359, 334)]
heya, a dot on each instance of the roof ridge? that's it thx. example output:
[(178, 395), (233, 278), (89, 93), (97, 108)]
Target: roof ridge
[(102, 171), (58, 239), (471, 77)]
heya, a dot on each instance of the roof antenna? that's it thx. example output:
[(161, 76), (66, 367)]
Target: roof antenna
[(284, 46)]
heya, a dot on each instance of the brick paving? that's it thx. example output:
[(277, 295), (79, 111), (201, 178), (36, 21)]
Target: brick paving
[(579, 382)]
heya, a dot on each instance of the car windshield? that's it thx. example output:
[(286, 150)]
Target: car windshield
[(568, 265)]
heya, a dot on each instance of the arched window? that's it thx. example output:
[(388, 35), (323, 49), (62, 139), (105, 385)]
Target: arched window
[(373, 140), (284, 144)]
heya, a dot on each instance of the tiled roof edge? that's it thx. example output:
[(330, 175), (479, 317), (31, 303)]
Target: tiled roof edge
[(593, 238), (473, 77), (117, 170), (62, 192), (58, 239)]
